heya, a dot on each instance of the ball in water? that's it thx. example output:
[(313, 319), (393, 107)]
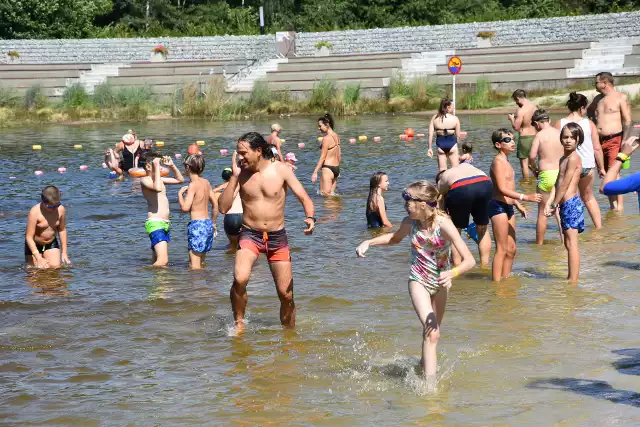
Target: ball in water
[(352, 141), (409, 132), (84, 167), (301, 145), (62, 170), (376, 139), (193, 149), (199, 143), (178, 155), (224, 151), (39, 173)]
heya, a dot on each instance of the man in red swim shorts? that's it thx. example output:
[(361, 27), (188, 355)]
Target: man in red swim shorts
[(611, 112), (263, 189)]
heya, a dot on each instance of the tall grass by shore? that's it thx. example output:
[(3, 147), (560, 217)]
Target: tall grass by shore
[(210, 100)]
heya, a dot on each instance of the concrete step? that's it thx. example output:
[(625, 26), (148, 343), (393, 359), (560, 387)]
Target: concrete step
[(149, 71), (308, 85), (504, 77), (39, 74), (511, 66), (523, 48), (631, 61), (44, 83), (343, 65), (329, 74), (521, 57), (155, 80), (358, 58), (621, 71)]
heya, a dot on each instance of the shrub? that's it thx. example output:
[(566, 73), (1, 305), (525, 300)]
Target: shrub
[(486, 34), (160, 49), (8, 97), (351, 94), (260, 95), (75, 96), (13, 54), (134, 96), (35, 99), (104, 96), (323, 92), (323, 43)]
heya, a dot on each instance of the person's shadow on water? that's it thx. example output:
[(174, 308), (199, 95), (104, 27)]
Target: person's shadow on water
[(630, 365), (592, 388), (624, 264)]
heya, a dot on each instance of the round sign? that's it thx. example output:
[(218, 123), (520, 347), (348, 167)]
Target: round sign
[(454, 65)]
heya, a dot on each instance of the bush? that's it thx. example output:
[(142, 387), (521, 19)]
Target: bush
[(322, 94), (104, 96), (351, 94), (134, 96), (486, 34), (8, 97), (75, 96), (322, 44), (260, 95), (34, 99)]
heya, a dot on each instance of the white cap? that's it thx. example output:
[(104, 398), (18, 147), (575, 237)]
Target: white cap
[(290, 157)]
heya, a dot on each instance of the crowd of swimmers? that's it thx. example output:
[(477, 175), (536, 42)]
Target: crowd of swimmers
[(564, 157)]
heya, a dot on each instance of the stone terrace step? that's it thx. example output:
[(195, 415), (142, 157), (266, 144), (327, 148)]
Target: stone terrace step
[(175, 64), (44, 67), (504, 77), (354, 57), (524, 49), (329, 74), (521, 57), (177, 71), (38, 74), (308, 85), (156, 80), (341, 65), (510, 66), (44, 83)]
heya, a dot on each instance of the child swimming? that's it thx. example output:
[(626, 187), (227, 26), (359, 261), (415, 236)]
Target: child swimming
[(376, 208), (432, 234), (201, 229), (467, 153)]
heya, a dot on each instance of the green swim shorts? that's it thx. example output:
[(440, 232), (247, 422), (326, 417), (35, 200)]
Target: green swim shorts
[(156, 224), (524, 144)]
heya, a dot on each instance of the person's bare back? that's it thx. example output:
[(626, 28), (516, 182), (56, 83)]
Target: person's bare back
[(549, 148), (201, 197), (526, 112)]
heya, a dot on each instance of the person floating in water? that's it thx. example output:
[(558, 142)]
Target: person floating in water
[(155, 193), (201, 229), (263, 186), (432, 234), (330, 157), (567, 197), (376, 208), (46, 222), (446, 128), (501, 212)]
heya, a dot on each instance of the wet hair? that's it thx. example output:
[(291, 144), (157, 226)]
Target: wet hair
[(227, 173), (540, 116), (374, 183), (255, 141), (577, 101), (497, 135), (276, 127), (444, 104), (467, 147), (605, 76), (50, 195), (327, 120), (518, 93), (428, 192), (147, 158), (194, 163), (576, 132)]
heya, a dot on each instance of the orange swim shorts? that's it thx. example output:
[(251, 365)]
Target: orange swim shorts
[(273, 243), (610, 148)]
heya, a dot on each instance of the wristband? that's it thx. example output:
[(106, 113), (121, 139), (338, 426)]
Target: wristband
[(622, 157), (313, 218), (35, 253), (521, 196), (456, 273), (553, 206)]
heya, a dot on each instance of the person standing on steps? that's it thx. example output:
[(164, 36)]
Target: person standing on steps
[(330, 157), (521, 123), (263, 184), (611, 113), (446, 128), (590, 153)]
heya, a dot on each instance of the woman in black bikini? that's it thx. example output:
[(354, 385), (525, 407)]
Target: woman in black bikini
[(329, 162), (446, 127), (131, 149)]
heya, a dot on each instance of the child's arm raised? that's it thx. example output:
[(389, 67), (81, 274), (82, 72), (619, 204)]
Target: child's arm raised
[(32, 221), (62, 232), (186, 202), (450, 232), (178, 179), (387, 238)]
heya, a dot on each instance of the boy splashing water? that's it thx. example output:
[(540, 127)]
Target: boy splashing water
[(201, 229), (432, 234), (155, 192)]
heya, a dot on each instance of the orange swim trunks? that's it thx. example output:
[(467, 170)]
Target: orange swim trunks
[(610, 148), (273, 243)]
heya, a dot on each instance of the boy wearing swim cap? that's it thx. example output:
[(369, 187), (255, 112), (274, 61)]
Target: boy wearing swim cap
[(154, 191), (46, 220), (201, 229)]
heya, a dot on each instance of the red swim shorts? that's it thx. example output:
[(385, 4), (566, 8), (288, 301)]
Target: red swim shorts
[(273, 243), (610, 148)]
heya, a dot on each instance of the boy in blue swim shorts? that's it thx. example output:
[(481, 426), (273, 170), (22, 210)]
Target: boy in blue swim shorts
[(567, 197), (201, 229), (155, 192)]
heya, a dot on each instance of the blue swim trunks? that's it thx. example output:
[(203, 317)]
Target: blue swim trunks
[(158, 231), (200, 235), (496, 207), (572, 214)]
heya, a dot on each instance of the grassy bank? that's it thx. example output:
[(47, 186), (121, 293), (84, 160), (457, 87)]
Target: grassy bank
[(211, 101)]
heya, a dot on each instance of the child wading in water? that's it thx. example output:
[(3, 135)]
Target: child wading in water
[(467, 153), (501, 212), (432, 234), (45, 222), (567, 196), (376, 208), (155, 192), (201, 229)]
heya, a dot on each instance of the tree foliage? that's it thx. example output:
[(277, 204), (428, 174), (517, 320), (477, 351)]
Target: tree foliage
[(128, 18)]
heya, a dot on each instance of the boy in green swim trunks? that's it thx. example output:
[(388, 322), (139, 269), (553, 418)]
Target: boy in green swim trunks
[(154, 191), (548, 149)]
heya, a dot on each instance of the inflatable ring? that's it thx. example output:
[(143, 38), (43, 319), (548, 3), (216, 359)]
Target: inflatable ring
[(140, 172)]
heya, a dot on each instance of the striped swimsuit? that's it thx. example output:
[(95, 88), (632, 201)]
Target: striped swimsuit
[(430, 254)]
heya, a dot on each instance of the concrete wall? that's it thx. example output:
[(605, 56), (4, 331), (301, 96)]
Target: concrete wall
[(458, 36)]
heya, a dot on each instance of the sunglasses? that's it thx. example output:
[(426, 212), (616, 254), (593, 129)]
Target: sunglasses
[(506, 139), (48, 206), (409, 198)]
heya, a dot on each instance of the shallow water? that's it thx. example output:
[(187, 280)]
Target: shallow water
[(113, 342)]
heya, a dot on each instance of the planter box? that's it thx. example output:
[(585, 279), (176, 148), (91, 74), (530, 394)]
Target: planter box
[(482, 42), (323, 51), (157, 57), (13, 59)]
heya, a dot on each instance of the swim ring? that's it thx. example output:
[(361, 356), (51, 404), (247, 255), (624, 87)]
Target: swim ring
[(140, 172)]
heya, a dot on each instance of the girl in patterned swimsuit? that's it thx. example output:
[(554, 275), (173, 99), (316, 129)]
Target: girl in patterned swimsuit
[(432, 234)]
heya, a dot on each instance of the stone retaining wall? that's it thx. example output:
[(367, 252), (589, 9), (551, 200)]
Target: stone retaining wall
[(457, 36)]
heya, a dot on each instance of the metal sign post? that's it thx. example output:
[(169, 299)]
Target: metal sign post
[(455, 66)]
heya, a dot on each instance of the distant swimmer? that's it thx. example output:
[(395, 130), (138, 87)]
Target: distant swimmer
[(446, 128), (125, 155), (330, 157), (376, 208), (521, 122), (548, 150), (263, 185), (233, 218), (466, 149), (46, 222), (612, 115), (590, 152), (432, 235), (274, 139)]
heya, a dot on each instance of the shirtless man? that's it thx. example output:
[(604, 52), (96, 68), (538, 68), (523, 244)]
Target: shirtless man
[(547, 147), (263, 189), (154, 191), (501, 212), (521, 122), (274, 139), (611, 113)]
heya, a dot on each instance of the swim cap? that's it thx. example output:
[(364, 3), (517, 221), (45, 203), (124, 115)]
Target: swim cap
[(290, 157), (128, 139), (227, 173)]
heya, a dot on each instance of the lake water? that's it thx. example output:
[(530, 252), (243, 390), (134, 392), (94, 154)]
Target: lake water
[(113, 342)]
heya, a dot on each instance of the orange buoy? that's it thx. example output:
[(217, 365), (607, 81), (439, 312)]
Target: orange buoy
[(194, 149), (409, 132)]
